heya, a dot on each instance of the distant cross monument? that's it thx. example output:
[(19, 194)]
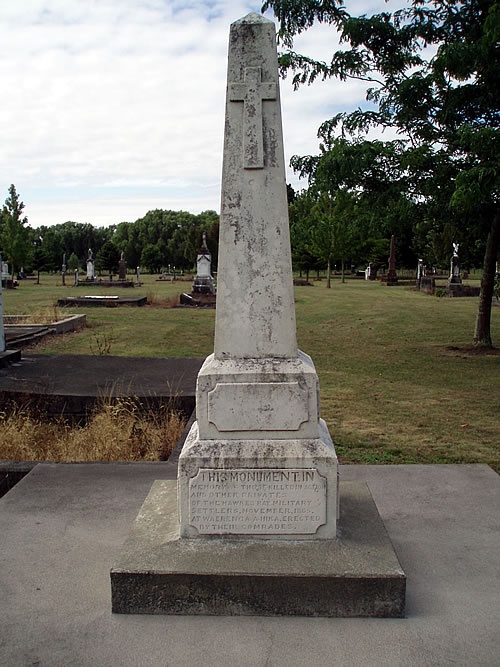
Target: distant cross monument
[(257, 394)]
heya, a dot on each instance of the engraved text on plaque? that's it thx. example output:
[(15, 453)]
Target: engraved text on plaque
[(257, 501)]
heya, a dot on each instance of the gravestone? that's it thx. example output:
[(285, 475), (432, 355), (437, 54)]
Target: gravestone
[(6, 356), (90, 266), (63, 270), (257, 488), (204, 282), (122, 268), (420, 272), (370, 272), (257, 392)]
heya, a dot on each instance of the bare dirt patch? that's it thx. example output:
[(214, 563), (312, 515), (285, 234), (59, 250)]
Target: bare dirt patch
[(472, 351)]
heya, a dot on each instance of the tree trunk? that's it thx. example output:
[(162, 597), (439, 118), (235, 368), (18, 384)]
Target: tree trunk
[(343, 271), (329, 274), (482, 334)]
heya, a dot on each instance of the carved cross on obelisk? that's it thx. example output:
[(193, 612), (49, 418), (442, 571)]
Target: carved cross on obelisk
[(252, 93)]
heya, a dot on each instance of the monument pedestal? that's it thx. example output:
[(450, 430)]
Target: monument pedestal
[(258, 461), (356, 574)]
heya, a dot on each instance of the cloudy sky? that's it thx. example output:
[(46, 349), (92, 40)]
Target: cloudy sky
[(114, 107)]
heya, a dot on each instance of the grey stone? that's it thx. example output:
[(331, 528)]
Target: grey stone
[(357, 574)]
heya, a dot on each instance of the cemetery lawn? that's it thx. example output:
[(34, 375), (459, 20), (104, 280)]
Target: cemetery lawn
[(399, 380)]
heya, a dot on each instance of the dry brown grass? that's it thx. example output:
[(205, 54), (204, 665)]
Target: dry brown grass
[(42, 315), (155, 301), (116, 431)]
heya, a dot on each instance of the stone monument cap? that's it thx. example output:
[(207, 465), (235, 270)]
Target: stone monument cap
[(253, 17)]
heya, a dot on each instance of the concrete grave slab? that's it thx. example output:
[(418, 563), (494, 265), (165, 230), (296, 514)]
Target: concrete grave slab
[(63, 527)]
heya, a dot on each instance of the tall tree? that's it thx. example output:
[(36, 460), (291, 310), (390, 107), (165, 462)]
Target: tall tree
[(300, 232), (433, 73), (15, 237), (107, 258)]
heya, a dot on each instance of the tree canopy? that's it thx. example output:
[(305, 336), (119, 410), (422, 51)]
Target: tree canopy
[(433, 76)]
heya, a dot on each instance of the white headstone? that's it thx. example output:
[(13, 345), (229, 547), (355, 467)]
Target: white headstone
[(204, 260), (90, 266), (258, 462)]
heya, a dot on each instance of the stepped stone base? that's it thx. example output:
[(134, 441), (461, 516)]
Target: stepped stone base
[(356, 574)]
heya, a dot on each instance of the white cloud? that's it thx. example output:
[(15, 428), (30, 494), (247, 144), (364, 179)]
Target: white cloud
[(127, 96)]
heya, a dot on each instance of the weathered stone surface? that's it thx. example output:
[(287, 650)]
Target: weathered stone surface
[(258, 398), (256, 501), (357, 575), (304, 457), (254, 279)]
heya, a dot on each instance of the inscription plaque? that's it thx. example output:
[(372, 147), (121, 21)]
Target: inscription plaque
[(257, 501)]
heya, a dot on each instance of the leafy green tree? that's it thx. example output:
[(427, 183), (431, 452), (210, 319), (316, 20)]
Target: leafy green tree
[(15, 236), (362, 185), (433, 76), (300, 232), (107, 258), (152, 258), (73, 262)]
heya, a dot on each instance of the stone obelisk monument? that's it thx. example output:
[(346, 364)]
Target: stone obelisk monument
[(258, 461), (250, 525)]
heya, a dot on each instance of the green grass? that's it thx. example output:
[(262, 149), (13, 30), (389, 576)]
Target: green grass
[(397, 382)]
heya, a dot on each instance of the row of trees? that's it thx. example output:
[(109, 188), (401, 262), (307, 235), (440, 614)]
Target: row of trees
[(343, 229), (433, 76), (158, 240)]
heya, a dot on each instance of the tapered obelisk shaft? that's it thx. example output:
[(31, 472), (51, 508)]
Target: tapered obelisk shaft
[(255, 306)]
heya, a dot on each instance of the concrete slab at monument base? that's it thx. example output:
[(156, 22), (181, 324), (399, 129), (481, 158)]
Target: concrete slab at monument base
[(357, 574)]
